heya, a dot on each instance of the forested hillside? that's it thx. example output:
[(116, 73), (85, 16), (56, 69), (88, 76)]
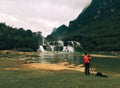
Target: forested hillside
[(97, 27), (18, 38)]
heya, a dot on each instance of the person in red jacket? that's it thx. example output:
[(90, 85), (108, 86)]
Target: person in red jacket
[(87, 59)]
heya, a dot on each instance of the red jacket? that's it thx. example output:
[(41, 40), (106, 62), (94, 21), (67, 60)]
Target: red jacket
[(86, 59)]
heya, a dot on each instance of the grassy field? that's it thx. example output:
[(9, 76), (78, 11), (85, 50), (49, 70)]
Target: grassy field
[(18, 77), (105, 64)]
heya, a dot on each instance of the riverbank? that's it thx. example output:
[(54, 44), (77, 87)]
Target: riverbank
[(16, 74), (57, 66)]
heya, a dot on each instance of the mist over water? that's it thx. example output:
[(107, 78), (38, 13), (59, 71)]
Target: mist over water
[(69, 46), (57, 57)]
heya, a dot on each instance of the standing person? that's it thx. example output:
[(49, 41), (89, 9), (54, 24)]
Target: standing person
[(87, 63)]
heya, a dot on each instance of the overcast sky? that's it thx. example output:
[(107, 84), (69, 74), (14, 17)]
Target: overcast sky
[(40, 15)]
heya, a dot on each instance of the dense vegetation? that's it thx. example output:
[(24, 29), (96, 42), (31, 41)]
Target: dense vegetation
[(96, 28), (18, 38)]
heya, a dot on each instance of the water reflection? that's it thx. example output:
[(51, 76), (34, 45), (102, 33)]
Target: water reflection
[(102, 64), (56, 57)]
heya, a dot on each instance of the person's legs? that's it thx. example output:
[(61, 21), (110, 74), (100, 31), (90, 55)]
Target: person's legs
[(87, 69)]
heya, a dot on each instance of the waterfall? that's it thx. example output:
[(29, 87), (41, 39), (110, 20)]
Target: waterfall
[(70, 49), (69, 46), (52, 48), (41, 48)]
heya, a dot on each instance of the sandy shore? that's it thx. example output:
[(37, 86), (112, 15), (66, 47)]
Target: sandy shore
[(49, 66), (59, 66)]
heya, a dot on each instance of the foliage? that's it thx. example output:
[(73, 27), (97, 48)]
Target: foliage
[(18, 38), (97, 27), (59, 31)]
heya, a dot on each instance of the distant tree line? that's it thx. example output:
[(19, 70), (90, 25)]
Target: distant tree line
[(18, 38)]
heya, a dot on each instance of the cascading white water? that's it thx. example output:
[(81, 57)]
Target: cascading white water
[(60, 43), (41, 48), (52, 48), (70, 49), (65, 49), (59, 46)]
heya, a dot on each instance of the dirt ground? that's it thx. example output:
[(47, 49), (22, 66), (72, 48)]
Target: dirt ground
[(59, 66)]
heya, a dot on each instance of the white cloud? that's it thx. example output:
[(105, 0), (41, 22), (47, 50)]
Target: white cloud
[(5, 17), (40, 15)]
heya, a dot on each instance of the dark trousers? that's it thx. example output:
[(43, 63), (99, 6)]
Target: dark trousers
[(87, 68)]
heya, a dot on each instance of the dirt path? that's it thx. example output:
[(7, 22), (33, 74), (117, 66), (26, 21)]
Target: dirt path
[(60, 66), (49, 66)]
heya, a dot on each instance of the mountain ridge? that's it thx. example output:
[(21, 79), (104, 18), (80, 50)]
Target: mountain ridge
[(97, 27)]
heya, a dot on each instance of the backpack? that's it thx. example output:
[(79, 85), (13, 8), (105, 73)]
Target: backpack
[(100, 74)]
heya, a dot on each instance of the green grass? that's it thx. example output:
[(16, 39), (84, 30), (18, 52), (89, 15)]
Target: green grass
[(54, 79), (108, 64), (27, 78), (105, 65)]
